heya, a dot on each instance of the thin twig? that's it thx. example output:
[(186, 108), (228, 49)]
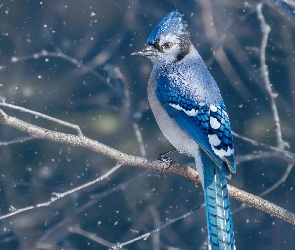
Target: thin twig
[(146, 235), (279, 182), (157, 223), (286, 155), (265, 29), (60, 54), (289, 47), (58, 228), (91, 236), (17, 140), (267, 191), (127, 99), (139, 138), (256, 143), (264, 155), (127, 104), (57, 196), (67, 124)]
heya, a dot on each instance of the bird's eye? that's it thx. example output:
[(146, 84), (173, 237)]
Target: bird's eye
[(167, 45)]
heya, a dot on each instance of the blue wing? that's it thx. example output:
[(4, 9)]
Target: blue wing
[(207, 124)]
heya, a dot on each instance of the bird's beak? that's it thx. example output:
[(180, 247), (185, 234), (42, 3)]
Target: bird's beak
[(147, 51)]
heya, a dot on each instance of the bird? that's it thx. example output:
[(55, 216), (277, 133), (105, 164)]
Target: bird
[(189, 109)]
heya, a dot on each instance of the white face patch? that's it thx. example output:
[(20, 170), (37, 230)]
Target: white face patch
[(191, 112), (169, 38), (214, 123), (169, 55), (214, 140)]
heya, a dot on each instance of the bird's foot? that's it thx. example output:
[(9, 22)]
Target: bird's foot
[(165, 161)]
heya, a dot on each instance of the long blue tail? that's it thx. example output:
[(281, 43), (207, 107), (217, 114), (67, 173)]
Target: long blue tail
[(219, 218)]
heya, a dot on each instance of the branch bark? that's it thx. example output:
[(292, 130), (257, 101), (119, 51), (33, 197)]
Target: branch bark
[(122, 158)]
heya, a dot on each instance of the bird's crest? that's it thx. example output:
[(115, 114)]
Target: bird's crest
[(173, 23)]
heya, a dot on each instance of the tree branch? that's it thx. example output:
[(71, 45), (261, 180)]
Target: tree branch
[(83, 141), (67, 124), (126, 159), (146, 235), (17, 140), (265, 29), (57, 196), (78, 230)]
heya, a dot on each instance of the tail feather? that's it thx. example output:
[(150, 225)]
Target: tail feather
[(219, 219)]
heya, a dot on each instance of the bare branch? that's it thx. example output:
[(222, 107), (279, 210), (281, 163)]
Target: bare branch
[(126, 159), (146, 235), (157, 223), (273, 187), (91, 236), (279, 182), (265, 29), (58, 196), (139, 138), (256, 143), (67, 124), (264, 155), (284, 154), (17, 140), (127, 100), (60, 54), (58, 229)]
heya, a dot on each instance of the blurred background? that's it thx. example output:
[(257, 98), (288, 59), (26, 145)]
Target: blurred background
[(71, 60)]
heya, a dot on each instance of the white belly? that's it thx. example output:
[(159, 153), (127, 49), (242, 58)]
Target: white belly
[(175, 135)]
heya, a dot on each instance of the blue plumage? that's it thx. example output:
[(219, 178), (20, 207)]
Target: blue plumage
[(171, 24), (189, 110), (219, 220)]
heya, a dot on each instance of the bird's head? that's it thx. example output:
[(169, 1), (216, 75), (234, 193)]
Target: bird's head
[(169, 41)]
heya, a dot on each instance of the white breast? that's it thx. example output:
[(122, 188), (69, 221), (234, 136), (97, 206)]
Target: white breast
[(175, 135)]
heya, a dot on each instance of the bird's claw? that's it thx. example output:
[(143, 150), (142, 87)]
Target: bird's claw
[(165, 162)]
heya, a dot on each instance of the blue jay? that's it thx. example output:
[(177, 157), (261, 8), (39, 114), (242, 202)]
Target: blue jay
[(190, 112)]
